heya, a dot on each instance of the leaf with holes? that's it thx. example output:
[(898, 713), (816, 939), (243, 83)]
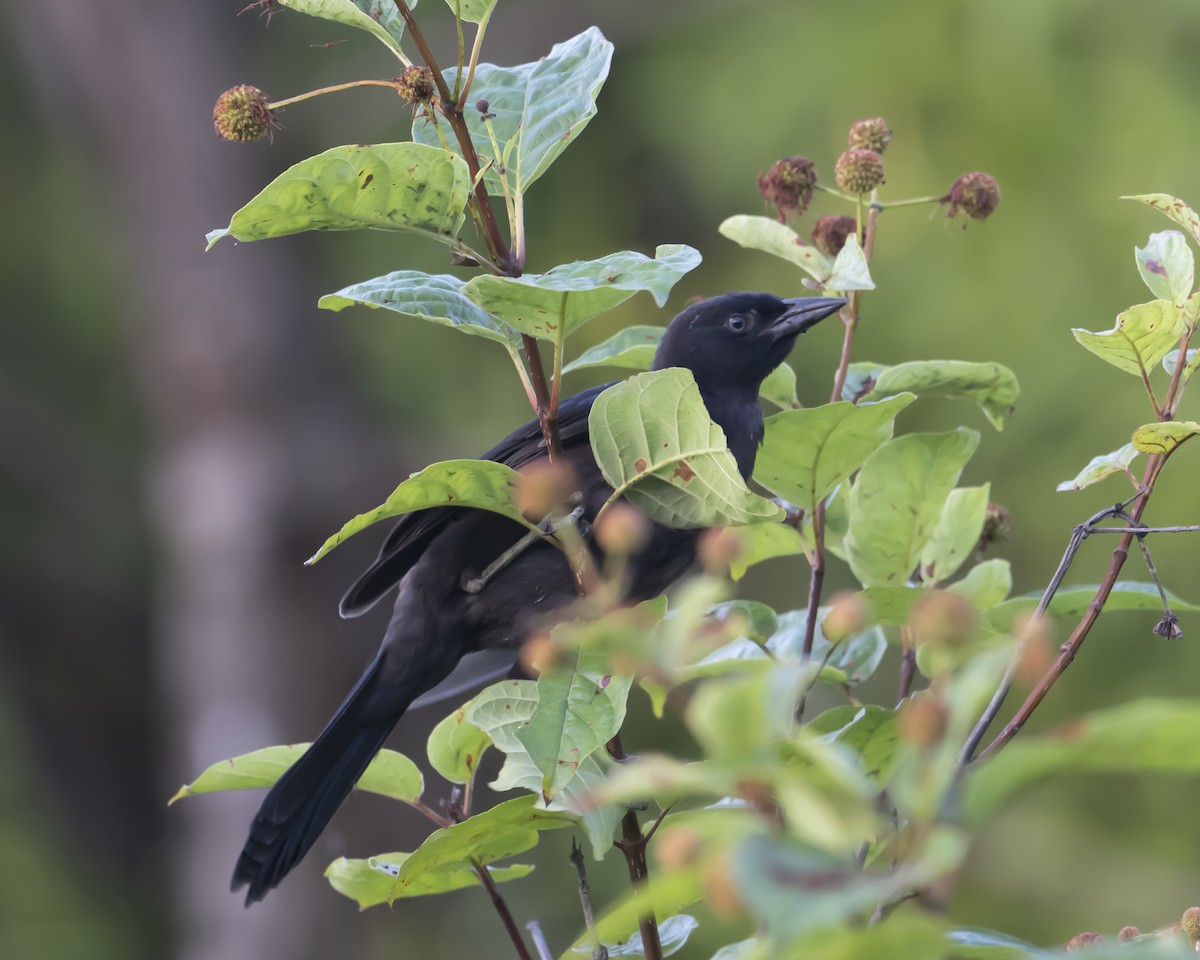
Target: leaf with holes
[(539, 108), (369, 882), (481, 484), (1100, 467), (554, 304), (377, 17), (806, 453), (1164, 437), (990, 385), (437, 298), (779, 240), (1143, 335), (897, 501), (1174, 208), (659, 449), (1167, 266), (390, 186), (390, 774)]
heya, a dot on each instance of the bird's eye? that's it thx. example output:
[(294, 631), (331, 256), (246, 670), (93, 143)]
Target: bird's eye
[(736, 323)]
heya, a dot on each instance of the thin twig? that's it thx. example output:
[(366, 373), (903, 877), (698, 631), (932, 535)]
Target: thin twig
[(599, 951), (1142, 531), (908, 666), (432, 814), (539, 940), (633, 845), (333, 89), (506, 916)]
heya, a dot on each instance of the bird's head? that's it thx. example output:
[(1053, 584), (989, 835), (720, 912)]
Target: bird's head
[(735, 341)]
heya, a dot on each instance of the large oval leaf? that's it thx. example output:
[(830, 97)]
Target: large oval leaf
[(1143, 335), (481, 484), (990, 385), (956, 534), (659, 449), (369, 882), (539, 108), (632, 348), (1164, 437), (455, 746), (389, 186), (806, 453), (437, 298), (382, 20), (897, 501), (779, 240), (551, 305)]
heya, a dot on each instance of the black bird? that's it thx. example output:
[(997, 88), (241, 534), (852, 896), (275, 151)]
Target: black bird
[(730, 344)]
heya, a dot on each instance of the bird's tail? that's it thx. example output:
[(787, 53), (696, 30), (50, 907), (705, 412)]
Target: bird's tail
[(305, 798)]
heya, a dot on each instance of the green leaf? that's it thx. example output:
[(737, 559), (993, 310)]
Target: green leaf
[(869, 731), (673, 933), (1072, 602), (389, 186), (540, 108), (663, 895), (455, 747), (780, 387), (390, 774), (987, 584), (749, 618), (581, 706), (380, 19), (956, 534), (1145, 736), (554, 304), (739, 718), (897, 501), (1143, 335), (779, 240), (423, 296), (473, 11), (502, 711), (507, 829), (369, 882), (860, 379), (632, 349), (1190, 362), (481, 484), (1167, 266), (658, 448), (1100, 467), (1174, 208), (764, 541), (742, 950), (992, 386), (806, 453), (975, 943), (1164, 437), (911, 936), (850, 269)]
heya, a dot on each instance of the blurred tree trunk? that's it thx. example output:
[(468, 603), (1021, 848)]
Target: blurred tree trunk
[(242, 406)]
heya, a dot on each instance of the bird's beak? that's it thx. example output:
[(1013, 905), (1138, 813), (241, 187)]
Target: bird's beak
[(802, 313)]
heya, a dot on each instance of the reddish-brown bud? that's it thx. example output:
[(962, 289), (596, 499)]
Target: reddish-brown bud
[(718, 547), (923, 720), (622, 530), (830, 233), (943, 619), (539, 653), (997, 526), (847, 616), (543, 489), (1125, 934), (416, 85), (788, 185), (858, 170), (243, 113), (677, 847), (1083, 940), (975, 194), (873, 134)]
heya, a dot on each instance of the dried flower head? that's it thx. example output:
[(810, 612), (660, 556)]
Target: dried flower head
[(243, 113), (859, 170), (975, 194), (788, 185), (1189, 923), (415, 85), (873, 134), (1083, 940), (997, 526), (1125, 934), (830, 233), (1168, 627)]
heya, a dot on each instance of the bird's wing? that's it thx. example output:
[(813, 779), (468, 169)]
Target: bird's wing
[(410, 537)]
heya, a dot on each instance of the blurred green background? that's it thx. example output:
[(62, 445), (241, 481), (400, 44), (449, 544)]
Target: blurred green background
[(178, 429)]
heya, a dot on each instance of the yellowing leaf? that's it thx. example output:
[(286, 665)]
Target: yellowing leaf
[(1143, 335), (1164, 437)]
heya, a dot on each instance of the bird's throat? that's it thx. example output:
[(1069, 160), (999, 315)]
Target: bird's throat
[(740, 416)]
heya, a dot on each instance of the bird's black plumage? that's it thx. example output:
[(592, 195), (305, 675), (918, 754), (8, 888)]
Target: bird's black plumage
[(730, 343)]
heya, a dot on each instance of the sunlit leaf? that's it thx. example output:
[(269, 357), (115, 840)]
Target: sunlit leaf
[(556, 303), (369, 882), (1143, 335), (1163, 437), (1167, 266), (658, 448), (632, 349), (390, 774), (778, 239), (482, 484), (897, 501), (991, 386), (850, 269), (382, 20), (1174, 208), (1100, 467), (423, 296), (806, 453), (389, 186), (455, 746), (956, 534)]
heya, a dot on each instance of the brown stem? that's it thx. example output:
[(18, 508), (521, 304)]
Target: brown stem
[(633, 845), (514, 934), (1175, 387), (541, 391), (599, 951), (908, 666)]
